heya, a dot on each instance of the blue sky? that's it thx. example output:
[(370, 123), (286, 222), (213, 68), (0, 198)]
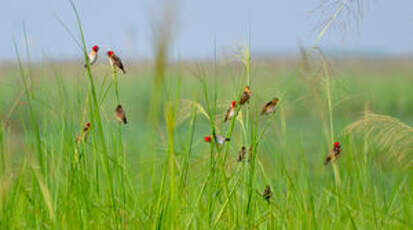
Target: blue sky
[(126, 27)]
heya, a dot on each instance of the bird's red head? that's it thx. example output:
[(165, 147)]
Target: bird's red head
[(95, 48), (233, 104), (336, 144), (207, 139), (87, 125), (110, 53)]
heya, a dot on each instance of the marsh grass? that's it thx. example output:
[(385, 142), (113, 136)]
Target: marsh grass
[(209, 186)]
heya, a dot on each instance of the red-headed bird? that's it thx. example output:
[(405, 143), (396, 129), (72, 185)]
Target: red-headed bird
[(115, 61), (93, 55), (230, 111), (219, 139), (84, 134), (334, 153), (120, 114), (245, 96), (270, 106)]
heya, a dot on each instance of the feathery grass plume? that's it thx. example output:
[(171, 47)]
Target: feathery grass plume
[(184, 110), (311, 74), (389, 133), (315, 73), (243, 54), (330, 107), (319, 81), (341, 15)]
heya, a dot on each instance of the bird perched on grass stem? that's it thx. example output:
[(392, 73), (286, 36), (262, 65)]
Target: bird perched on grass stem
[(120, 114), (218, 138), (84, 134), (93, 55), (115, 61), (267, 193), (270, 106), (241, 154), (334, 153), (231, 111), (245, 96)]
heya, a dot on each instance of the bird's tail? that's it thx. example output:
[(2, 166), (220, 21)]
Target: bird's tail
[(123, 70), (125, 120), (227, 139)]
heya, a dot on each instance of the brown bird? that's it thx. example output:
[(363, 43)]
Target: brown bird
[(334, 153), (230, 111), (115, 61), (245, 95), (84, 134), (241, 154), (120, 114), (267, 193), (270, 106)]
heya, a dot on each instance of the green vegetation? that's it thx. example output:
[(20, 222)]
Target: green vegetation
[(157, 172)]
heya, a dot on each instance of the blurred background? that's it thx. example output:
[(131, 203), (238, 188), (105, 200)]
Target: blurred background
[(271, 27)]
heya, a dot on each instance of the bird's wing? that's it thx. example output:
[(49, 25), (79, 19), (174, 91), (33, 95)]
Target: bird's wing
[(266, 107), (227, 114), (117, 62)]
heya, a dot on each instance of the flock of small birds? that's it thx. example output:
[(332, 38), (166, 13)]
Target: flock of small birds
[(114, 60), (268, 108), (116, 64)]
